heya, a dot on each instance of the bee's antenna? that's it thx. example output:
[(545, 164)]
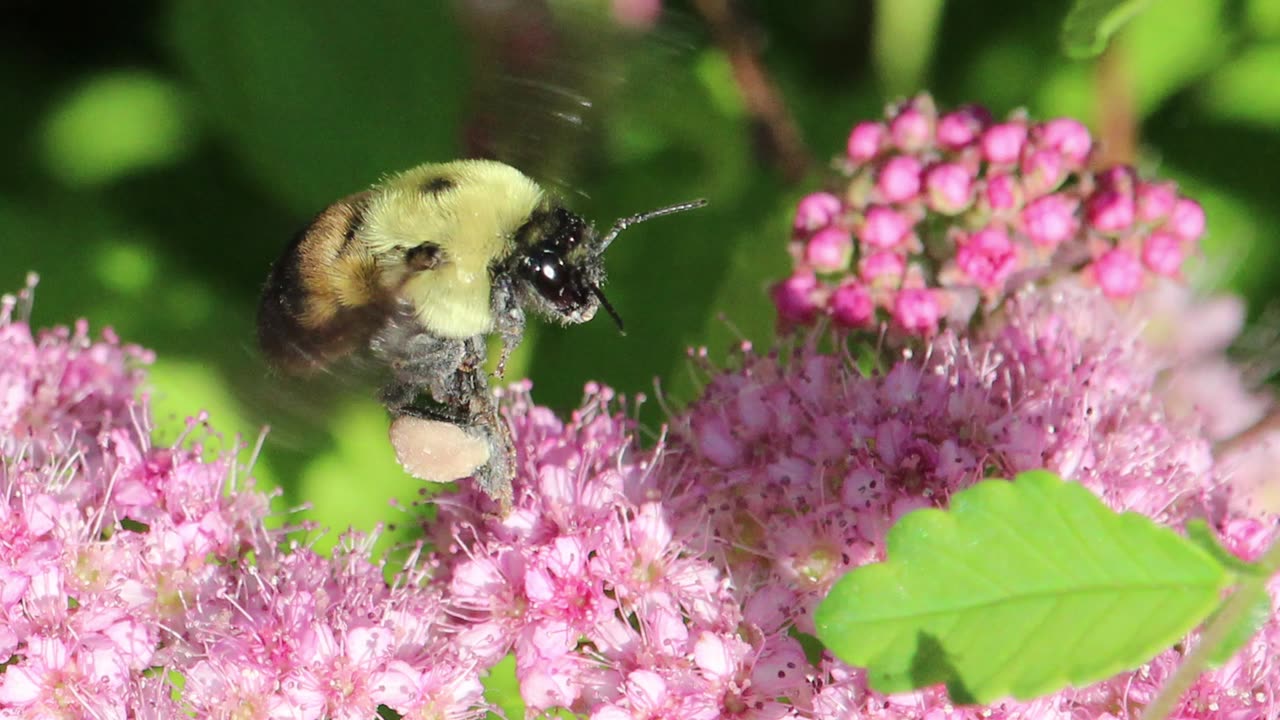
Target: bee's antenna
[(609, 308), (626, 222)]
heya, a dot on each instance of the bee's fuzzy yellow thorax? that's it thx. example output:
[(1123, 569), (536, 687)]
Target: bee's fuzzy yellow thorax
[(470, 209)]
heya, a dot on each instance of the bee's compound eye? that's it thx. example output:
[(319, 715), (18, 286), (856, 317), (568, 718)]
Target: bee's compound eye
[(551, 279)]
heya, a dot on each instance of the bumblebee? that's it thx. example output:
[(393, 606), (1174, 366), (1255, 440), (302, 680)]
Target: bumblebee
[(420, 269)]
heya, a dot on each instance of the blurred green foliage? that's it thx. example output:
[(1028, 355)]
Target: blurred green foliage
[(160, 155)]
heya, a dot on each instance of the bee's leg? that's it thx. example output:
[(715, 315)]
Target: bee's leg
[(420, 363), (508, 320), (438, 413), (427, 367), (495, 476)]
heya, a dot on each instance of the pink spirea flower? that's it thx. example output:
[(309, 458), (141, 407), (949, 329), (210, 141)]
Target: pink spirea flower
[(851, 306), (960, 128), (1118, 273), (919, 182), (836, 456), (1002, 194), (950, 188), (988, 257), (816, 211), (883, 269), (1155, 201), (1110, 211), (631, 581), (884, 227), (829, 250), (1186, 220), (917, 310), (1162, 253), (1069, 137), (1199, 382), (586, 580), (118, 556), (1050, 221), (1002, 143), (797, 297), (865, 141), (60, 383), (899, 179), (911, 124)]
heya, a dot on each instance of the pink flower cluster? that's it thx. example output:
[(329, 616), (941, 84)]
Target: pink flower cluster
[(609, 612), (677, 581), (60, 384), (935, 215), (795, 466), (673, 582), (123, 563)]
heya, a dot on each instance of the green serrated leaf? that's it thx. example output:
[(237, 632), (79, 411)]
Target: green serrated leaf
[(1019, 589), (1248, 625), (1199, 532), (1090, 23)]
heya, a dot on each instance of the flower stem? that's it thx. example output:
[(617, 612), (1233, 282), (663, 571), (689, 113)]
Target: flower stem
[(1233, 611)]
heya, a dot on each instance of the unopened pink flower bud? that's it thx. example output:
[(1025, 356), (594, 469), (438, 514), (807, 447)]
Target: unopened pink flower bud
[(879, 267), (1068, 137), (917, 310), (866, 140), (1187, 219), (1163, 253), (816, 210), (950, 187), (1050, 220), (912, 128), (1247, 537), (795, 297), (1002, 143), (1121, 178), (1118, 273), (851, 306), (899, 179), (829, 250), (987, 257), (1109, 211), (1002, 194), (961, 128), (1042, 172), (884, 227), (1155, 200)]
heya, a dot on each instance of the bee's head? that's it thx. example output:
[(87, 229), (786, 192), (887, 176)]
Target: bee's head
[(561, 266), (562, 261)]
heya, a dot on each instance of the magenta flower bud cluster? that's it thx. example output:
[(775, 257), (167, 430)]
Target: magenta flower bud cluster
[(936, 215)]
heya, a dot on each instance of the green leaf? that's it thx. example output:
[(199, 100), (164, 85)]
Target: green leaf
[(321, 100), (503, 689), (1242, 90), (1090, 23), (1019, 589), (115, 124), (1244, 629)]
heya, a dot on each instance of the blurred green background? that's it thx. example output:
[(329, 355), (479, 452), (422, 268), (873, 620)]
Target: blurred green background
[(159, 155)]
